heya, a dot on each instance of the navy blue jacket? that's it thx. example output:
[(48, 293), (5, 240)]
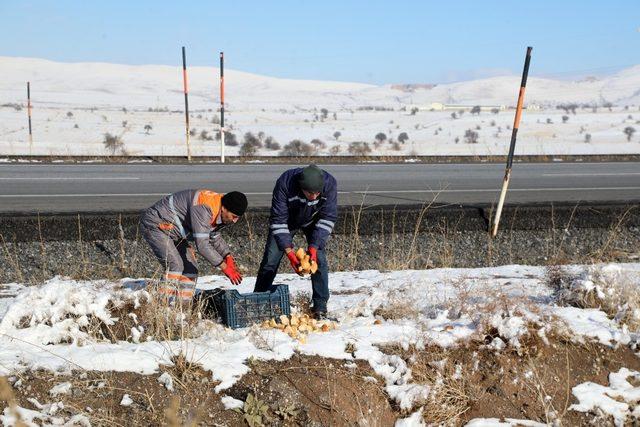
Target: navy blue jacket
[(291, 211)]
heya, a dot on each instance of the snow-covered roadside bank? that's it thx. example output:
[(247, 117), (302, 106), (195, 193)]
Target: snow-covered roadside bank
[(50, 326)]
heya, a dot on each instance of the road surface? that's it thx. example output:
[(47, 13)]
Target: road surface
[(53, 188)]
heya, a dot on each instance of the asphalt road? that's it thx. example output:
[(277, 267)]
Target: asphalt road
[(51, 188)]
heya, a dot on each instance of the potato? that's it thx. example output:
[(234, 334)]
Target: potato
[(302, 339), (295, 320), (272, 323), (314, 267), (300, 253), (377, 322), (325, 328), (284, 319)]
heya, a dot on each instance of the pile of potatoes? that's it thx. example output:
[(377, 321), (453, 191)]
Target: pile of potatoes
[(306, 265), (298, 326)]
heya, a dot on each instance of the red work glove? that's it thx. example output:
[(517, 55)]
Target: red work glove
[(230, 261), (313, 254), (231, 271), (294, 261)]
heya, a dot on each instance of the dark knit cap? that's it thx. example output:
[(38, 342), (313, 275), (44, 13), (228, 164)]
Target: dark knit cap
[(235, 202), (312, 179)]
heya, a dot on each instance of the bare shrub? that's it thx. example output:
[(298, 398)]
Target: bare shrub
[(230, 139), (471, 136), (113, 143), (318, 144), (250, 146), (358, 148), (297, 148), (271, 144)]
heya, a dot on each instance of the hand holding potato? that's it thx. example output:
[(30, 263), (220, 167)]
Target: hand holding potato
[(307, 265)]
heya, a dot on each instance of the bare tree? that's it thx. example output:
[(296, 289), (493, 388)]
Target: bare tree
[(113, 143), (147, 128), (629, 131), (381, 137)]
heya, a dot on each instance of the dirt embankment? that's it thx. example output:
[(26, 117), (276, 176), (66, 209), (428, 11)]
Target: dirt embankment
[(473, 381), (383, 237)]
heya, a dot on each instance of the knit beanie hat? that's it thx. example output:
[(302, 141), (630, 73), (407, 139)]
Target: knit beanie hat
[(312, 179), (235, 202)]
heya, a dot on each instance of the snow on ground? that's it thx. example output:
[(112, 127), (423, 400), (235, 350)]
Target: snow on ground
[(619, 399), (74, 105), (46, 326)]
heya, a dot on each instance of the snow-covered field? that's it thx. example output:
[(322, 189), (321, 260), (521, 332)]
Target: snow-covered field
[(48, 327), (75, 105)]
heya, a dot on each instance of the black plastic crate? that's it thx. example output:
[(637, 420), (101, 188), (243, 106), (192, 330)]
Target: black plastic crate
[(240, 310)]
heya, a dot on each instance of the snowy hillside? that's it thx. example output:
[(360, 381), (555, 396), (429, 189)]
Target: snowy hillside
[(75, 105)]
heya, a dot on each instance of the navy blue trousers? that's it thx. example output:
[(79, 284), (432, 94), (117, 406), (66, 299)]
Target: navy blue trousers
[(269, 267)]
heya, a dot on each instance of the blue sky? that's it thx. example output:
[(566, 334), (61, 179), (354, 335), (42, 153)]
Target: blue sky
[(365, 41)]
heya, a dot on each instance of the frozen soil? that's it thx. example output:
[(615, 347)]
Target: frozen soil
[(472, 381)]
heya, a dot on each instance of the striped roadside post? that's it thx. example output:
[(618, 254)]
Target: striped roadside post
[(514, 134), (29, 115), (186, 101), (222, 107)]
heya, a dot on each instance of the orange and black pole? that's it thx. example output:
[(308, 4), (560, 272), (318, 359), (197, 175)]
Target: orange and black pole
[(222, 107), (29, 115), (186, 100), (512, 147)]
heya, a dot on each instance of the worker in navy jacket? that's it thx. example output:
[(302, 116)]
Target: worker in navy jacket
[(304, 199)]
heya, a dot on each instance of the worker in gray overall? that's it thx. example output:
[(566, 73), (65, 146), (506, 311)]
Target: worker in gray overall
[(187, 221)]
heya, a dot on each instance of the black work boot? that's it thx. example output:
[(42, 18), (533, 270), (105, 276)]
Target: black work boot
[(320, 314)]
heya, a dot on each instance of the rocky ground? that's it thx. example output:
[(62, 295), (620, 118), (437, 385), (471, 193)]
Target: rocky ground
[(35, 248)]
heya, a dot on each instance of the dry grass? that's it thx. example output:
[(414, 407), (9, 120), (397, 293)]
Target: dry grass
[(614, 293), (608, 251), (158, 319), (302, 303), (399, 306), (7, 396), (453, 386)]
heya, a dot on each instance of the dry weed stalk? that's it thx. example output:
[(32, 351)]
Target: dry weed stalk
[(13, 260), (606, 252), (43, 251), (81, 248)]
